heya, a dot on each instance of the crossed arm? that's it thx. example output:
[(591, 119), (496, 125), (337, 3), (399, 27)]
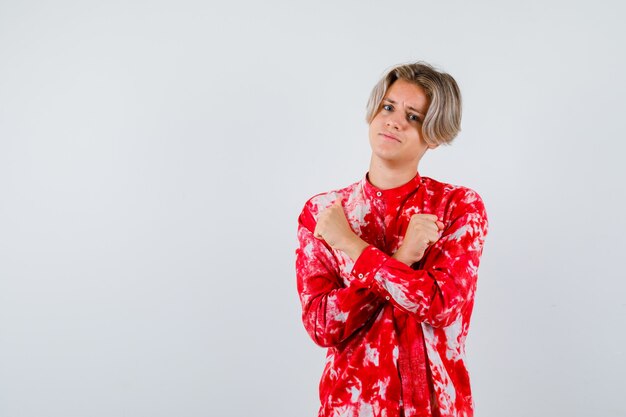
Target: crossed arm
[(435, 294)]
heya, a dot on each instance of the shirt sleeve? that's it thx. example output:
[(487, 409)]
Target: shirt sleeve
[(446, 281), (331, 311)]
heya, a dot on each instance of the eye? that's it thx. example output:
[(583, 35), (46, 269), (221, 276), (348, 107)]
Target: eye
[(414, 117), (387, 107)]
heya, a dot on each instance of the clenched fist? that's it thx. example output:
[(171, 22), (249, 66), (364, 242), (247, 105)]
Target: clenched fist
[(423, 230), (332, 226)]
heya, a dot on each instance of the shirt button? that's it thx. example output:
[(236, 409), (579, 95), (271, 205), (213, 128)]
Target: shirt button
[(387, 298), (379, 194), (360, 275)]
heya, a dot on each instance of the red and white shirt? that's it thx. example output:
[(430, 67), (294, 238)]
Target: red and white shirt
[(395, 334)]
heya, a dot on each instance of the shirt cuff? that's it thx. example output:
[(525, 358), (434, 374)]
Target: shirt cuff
[(366, 266)]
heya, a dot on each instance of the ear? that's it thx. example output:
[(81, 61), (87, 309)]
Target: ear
[(432, 146)]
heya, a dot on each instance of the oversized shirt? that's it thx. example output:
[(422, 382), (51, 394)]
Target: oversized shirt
[(395, 333)]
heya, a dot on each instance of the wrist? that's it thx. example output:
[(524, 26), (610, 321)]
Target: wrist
[(399, 256), (354, 246)]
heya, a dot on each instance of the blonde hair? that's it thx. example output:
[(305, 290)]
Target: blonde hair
[(443, 119)]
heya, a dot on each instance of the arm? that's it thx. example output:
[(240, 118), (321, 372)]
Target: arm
[(331, 312), (438, 292)]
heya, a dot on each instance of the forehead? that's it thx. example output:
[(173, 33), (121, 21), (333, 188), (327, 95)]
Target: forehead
[(408, 94)]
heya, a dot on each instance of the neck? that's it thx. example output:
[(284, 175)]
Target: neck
[(386, 176)]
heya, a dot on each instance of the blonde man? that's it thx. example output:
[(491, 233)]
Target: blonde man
[(387, 267)]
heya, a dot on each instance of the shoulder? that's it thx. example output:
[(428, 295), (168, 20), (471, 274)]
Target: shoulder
[(463, 210), (457, 198), (321, 201), (318, 202)]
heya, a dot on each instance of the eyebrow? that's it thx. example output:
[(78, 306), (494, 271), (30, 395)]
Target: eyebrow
[(409, 107)]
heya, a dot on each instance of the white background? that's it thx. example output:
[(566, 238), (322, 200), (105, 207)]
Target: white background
[(154, 157)]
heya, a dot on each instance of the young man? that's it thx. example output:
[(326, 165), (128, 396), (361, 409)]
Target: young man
[(387, 267)]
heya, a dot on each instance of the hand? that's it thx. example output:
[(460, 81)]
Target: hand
[(423, 230), (332, 226)]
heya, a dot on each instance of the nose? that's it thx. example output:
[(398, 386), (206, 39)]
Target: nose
[(392, 122)]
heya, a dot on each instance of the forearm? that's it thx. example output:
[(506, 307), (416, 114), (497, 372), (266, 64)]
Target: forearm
[(332, 309), (400, 256), (353, 246), (445, 283), (333, 317), (435, 294)]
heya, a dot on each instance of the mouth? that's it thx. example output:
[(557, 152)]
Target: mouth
[(389, 136)]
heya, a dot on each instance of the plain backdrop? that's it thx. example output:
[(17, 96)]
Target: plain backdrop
[(155, 155)]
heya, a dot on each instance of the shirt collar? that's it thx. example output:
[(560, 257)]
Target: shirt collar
[(372, 191)]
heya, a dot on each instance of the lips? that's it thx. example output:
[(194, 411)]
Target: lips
[(389, 136)]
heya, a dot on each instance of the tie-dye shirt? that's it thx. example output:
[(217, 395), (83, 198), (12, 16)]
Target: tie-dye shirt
[(395, 334)]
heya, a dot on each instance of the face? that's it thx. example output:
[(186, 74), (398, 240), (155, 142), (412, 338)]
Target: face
[(395, 132)]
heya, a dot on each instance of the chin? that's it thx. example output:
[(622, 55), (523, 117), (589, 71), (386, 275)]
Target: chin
[(386, 156)]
